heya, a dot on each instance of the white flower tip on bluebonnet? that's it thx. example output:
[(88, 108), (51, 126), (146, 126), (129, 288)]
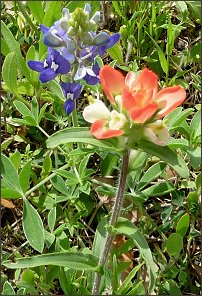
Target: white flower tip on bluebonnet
[(87, 8), (64, 20), (65, 12), (80, 73), (96, 17), (101, 39)]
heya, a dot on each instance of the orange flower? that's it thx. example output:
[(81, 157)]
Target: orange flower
[(138, 101), (140, 96)]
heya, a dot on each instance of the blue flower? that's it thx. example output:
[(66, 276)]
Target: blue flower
[(54, 64), (102, 42), (90, 75), (55, 36), (71, 92), (113, 39)]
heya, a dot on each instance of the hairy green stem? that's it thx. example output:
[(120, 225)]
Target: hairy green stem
[(114, 218)]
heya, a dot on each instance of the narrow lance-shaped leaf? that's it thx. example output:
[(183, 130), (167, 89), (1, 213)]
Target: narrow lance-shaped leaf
[(126, 227), (73, 260), (79, 135), (14, 46), (167, 155), (9, 72)]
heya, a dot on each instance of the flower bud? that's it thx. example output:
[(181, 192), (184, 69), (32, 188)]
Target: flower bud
[(87, 38), (64, 20), (71, 31), (101, 39), (96, 17), (87, 8), (52, 40)]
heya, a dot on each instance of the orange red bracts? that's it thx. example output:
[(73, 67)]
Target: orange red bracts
[(137, 99)]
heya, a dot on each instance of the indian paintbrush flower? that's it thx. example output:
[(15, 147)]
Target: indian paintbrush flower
[(138, 104)]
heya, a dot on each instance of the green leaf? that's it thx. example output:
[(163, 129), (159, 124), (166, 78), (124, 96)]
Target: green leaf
[(73, 260), (15, 158), (35, 109), (195, 126), (14, 47), (171, 287), (33, 226), (37, 10), (56, 89), (99, 238), (116, 53), (71, 177), (47, 166), (9, 72), (126, 227), (174, 244), (53, 12), (59, 184), (7, 289), (162, 58), (79, 135), (195, 157), (4, 47), (22, 108), (9, 173), (117, 8), (151, 174), (82, 166), (170, 37), (108, 164), (167, 155), (41, 113), (183, 224), (178, 143), (25, 175), (124, 286), (159, 189), (10, 193), (52, 218)]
